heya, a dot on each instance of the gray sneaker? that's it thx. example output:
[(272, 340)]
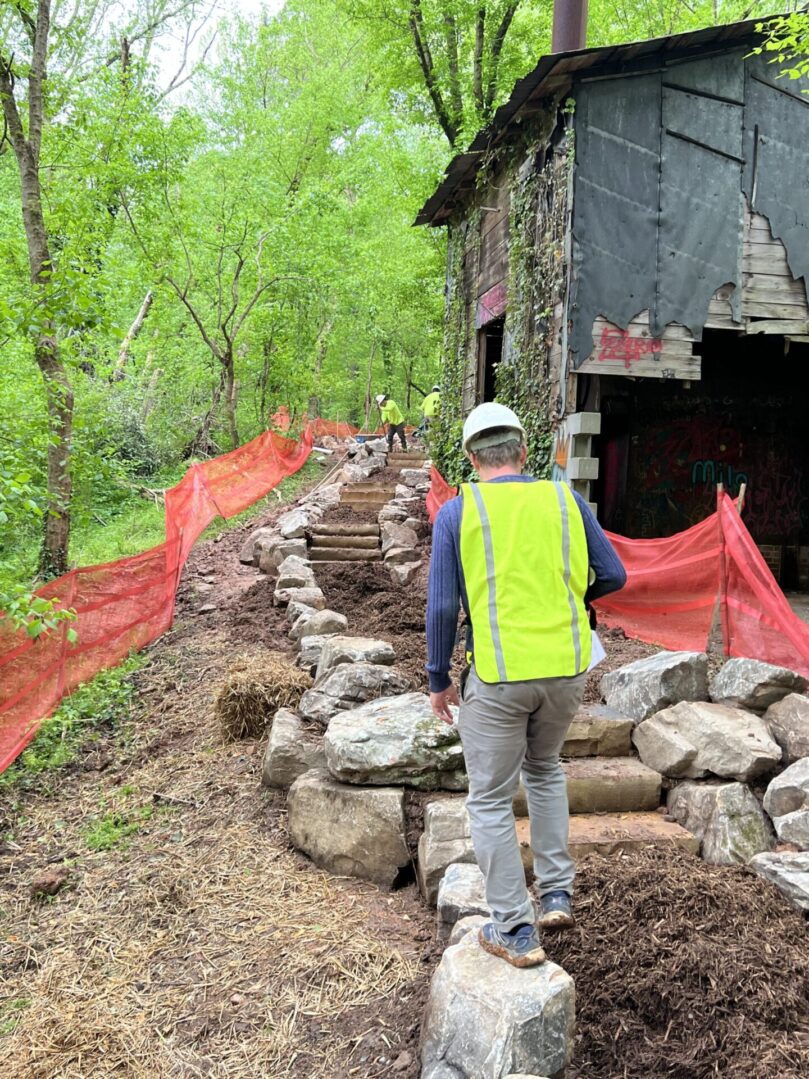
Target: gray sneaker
[(521, 948), (556, 912)]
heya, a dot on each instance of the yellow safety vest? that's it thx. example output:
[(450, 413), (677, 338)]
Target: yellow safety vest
[(391, 413), (431, 404), (525, 565)]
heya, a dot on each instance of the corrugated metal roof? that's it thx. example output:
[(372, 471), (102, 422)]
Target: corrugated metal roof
[(560, 70)]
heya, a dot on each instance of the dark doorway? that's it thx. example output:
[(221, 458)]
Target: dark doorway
[(665, 445), (490, 353)]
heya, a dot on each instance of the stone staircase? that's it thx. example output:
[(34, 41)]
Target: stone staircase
[(411, 459), (368, 496), (342, 542)]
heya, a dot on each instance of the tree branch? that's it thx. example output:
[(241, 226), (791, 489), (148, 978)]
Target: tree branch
[(425, 59), (183, 298), (477, 60), (455, 96), (36, 78), (496, 50)]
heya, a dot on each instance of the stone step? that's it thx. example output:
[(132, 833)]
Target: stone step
[(361, 528), (611, 785), (611, 833), (598, 731), (371, 487), (355, 498), (365, 507), (346, 540), (344, 554)]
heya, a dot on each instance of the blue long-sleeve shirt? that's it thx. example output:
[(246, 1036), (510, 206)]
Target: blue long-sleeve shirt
[(447, 590)]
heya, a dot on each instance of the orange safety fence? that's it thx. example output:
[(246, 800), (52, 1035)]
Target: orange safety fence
[(676, 585), (281, 420), (124, 605)]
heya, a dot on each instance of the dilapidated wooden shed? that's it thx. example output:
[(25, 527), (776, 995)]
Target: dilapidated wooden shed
[(629, 248)]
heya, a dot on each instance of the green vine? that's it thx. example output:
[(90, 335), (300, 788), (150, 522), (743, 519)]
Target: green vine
[(537, 175)]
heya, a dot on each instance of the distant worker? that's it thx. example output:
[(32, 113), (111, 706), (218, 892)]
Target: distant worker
[(392, 416), (525, 557), (431, 405)]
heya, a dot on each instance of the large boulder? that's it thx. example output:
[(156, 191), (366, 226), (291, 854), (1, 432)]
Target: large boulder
[(472, 923), (250, 548), (313, 623), (402, 573), (350, 831), (289, 753), (341, 649), (750, 683), (271, 552), (400, 556), (788, 721), (294, 523), (414, 477), (347, 686), (397, 535), (648, 685), (395, 740), (295, 572), (695, 739), (310, 648), (485, 1019), (462, 892), (390, 512), (787, 802), (725, 817), (788, 872), (325, 497), (311, 596)]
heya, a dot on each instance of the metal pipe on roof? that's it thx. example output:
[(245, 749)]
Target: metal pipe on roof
[(569, 25)]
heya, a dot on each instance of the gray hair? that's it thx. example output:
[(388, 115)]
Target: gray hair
[(504, 453)]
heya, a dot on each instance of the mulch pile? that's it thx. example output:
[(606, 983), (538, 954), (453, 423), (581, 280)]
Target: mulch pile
[(685, 969)]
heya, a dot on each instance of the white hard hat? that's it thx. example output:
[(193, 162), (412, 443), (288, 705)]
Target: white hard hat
[(491, 424), (436, 389), (380, 397)]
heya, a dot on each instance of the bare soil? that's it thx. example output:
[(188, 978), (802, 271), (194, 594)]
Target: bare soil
[(201, 944)]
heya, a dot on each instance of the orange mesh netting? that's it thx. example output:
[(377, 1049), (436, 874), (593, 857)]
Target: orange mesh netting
[(126, 604), (675, 584)]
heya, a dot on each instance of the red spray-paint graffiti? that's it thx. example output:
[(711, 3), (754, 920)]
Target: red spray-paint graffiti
[(617, 344)]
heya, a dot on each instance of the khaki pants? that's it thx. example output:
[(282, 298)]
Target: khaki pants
[(506, 729)]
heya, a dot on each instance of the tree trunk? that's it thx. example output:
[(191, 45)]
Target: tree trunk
[(231, 391), (53, 559), (134, 330), (201, 442), (151, 393)]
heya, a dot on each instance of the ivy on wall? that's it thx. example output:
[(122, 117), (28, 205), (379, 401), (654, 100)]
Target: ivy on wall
[(537, 176), (537, 269)]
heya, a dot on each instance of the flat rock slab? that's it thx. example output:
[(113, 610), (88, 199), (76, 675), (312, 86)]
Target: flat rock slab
[(485, 1019), (598, 731), (289, 753), (695, 739), (788, 723), (295, 572), (341, 649), (611, 833), (313, 623), (312, 597), (611, 785), (350, 831), (752, 684), (270, 553), (726, 817), (395, 740), (646, 686), (788, 872), (348, 686)]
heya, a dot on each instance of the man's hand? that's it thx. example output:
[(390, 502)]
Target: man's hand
[(440, 702)]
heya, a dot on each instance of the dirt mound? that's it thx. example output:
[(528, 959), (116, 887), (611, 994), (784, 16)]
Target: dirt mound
[(685, 969)]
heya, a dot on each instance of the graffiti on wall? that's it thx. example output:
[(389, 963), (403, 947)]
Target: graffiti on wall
[(616, 344)]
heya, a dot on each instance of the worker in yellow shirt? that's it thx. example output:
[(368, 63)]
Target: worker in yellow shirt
[(431, 405), (392, 416)]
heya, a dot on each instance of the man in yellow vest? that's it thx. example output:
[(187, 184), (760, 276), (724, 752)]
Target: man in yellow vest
[(524, 557), (431, 405), (392, 416)]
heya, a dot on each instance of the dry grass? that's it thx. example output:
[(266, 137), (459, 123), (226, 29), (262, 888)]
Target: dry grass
[(256, 687), (199, 945)]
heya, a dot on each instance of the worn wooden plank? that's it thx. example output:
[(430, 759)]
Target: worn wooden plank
[(781, 326), (780, 290), (770, 266), (658, 365), (634, 352), (638, 327), (754, 308)]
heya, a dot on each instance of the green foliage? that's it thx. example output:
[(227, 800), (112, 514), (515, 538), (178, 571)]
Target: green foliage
[(114, 828), (10, 1013), (788, 43)]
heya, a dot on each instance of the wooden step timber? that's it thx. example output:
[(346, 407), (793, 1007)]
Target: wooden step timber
[(365, 488), (365, 498), (361, 528), (368, 543), (344, 554), (612, 833)]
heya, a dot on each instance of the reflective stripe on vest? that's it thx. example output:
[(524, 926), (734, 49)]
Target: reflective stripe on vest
[(525, 567)]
